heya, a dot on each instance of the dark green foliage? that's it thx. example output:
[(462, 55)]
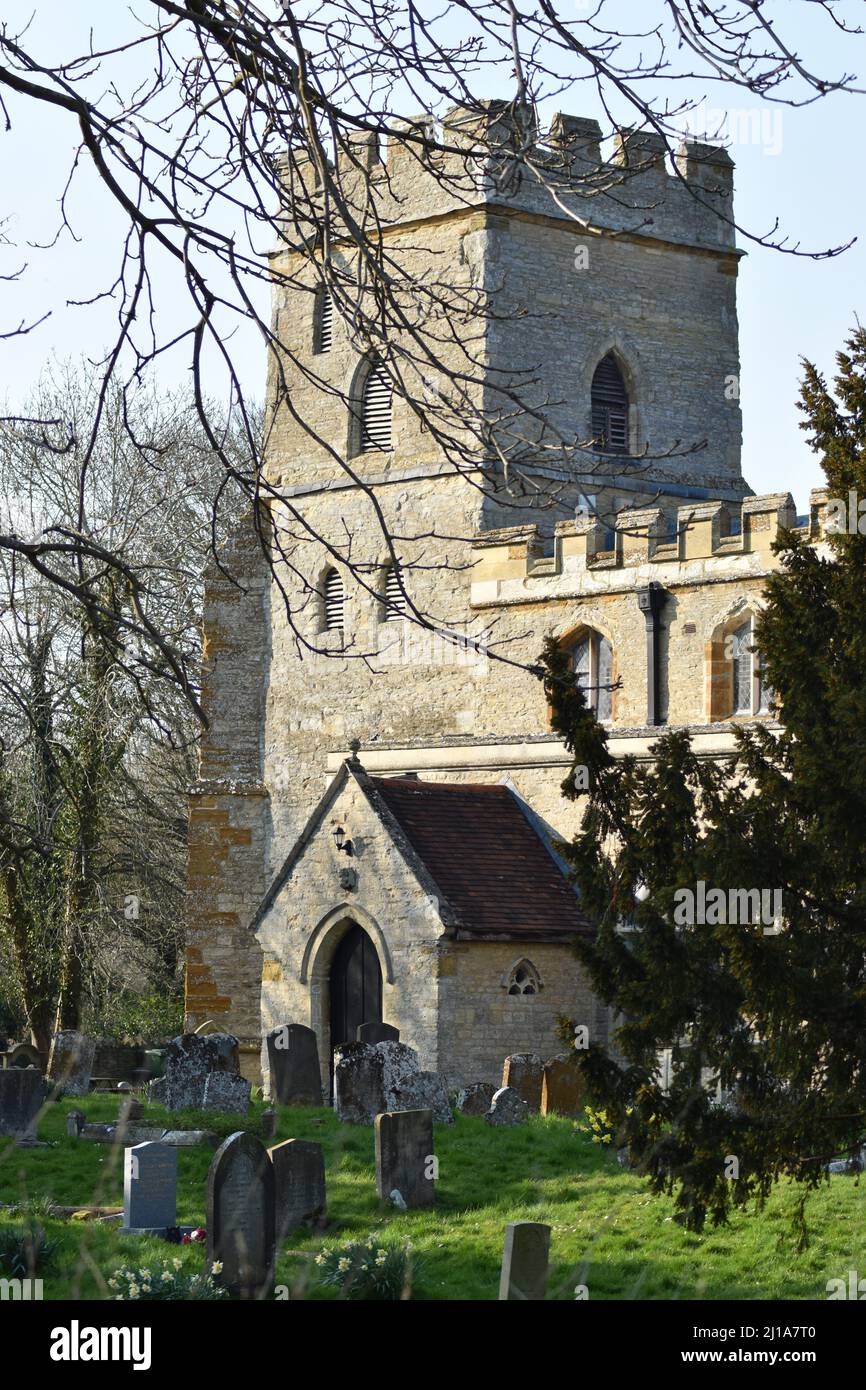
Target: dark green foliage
[(779, 1020)]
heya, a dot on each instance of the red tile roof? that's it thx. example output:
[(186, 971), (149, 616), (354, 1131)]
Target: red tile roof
[(485, 856)]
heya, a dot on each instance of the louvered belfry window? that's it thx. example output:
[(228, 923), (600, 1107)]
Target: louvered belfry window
[(376, 408), (334, 599), (324, 321), (395, 602), (609, 407)]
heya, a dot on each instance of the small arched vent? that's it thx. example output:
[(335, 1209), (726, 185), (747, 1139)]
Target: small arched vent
[(324, 333), (395, 599), (334, 596), (376, 408)]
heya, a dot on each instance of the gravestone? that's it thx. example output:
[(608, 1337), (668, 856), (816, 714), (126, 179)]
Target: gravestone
[(293, 1059), (475, 1099), (75, 1121), (425, 1090), (130, 1111), (226, 1093), (373, 1033), (299, 1185), (188, 1061), (23, 1055), (70, 1064), (562, 1089), (149, 1189), (270, 1120), (359, 1086), (240, 1216), (507, 1108), (404, 1154), (524, 1262), (22, 1095), (523, 1073)]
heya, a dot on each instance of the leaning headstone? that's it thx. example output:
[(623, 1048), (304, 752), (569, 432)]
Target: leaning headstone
[(293, 1060), (188, 1061), (227, 1093), (149, 1189), (22, 1094), (70, 1064), (404, 1157), (524, 1073), (373, 1033), (563, 1091), (359, 1088), (524, 1262), (240, 1216), (507, 1108), (475, 1099), (299, 1185)]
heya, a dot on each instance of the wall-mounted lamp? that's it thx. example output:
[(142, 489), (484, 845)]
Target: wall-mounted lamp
[(340, 840)]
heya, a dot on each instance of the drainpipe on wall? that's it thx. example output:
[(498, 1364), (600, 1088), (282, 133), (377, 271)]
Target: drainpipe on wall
[(651, 600)]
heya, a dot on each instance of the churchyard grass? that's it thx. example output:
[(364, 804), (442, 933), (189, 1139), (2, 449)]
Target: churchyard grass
[(608, 1233)]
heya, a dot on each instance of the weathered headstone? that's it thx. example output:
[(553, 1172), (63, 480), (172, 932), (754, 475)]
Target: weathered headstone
[(475, 1099), (425, 1090), (188, 1061), (359, 1087), (130, 1111), (22, 1094), (299, 1185), (240, 1216), (293, 1059), (404, 1157), (149, 1188), (70, 1064), (373, 1033), (270, 1121), (563, 1091), (23, 1055), (226, 1093), (507, 1108), (524, 1262), (75, 1121), (523, 1073)]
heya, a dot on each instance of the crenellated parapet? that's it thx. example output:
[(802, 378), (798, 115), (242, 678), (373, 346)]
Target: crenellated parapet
[(495, 154), (712, 539)]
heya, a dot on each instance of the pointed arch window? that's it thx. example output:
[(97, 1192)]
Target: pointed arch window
[(593, 664), (395, 599), (523, 979), (610, 407), (376, 408), (334, 598), (751, 694), (323, 327)]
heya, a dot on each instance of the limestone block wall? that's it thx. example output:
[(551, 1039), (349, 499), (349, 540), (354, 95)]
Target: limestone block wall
[(480, 1023)]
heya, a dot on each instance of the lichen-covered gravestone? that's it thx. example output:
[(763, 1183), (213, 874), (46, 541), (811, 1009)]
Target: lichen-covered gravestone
[(404, 1157), (189, 1061), (373, 1033), (359, 1085), (507, 1108), (227, 1093), (22, 1094), (299, 1185), (475, 1099), (70, 1064), (524, 1073), (149, 1189), (240, 1216), (563, 1091), (293, 1062), (524, 1262)]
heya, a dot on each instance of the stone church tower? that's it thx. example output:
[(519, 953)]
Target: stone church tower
[(412, 877)]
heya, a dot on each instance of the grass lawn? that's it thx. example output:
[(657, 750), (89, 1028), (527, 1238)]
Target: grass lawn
[(608, 1232)]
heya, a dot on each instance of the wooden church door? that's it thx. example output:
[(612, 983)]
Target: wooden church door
[(356, 987)]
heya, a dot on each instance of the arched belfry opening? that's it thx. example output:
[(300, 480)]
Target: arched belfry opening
[(355, 986), (610, 406)]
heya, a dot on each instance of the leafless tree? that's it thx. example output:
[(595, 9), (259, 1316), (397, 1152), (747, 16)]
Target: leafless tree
[(221, 129), (96, 748)]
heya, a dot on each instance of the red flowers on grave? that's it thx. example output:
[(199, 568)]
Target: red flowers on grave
[(195, 1237)]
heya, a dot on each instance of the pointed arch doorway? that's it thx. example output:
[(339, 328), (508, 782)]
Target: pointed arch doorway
[(355, 987)]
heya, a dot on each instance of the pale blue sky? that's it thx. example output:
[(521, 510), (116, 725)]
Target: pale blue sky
[(807, 171)]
